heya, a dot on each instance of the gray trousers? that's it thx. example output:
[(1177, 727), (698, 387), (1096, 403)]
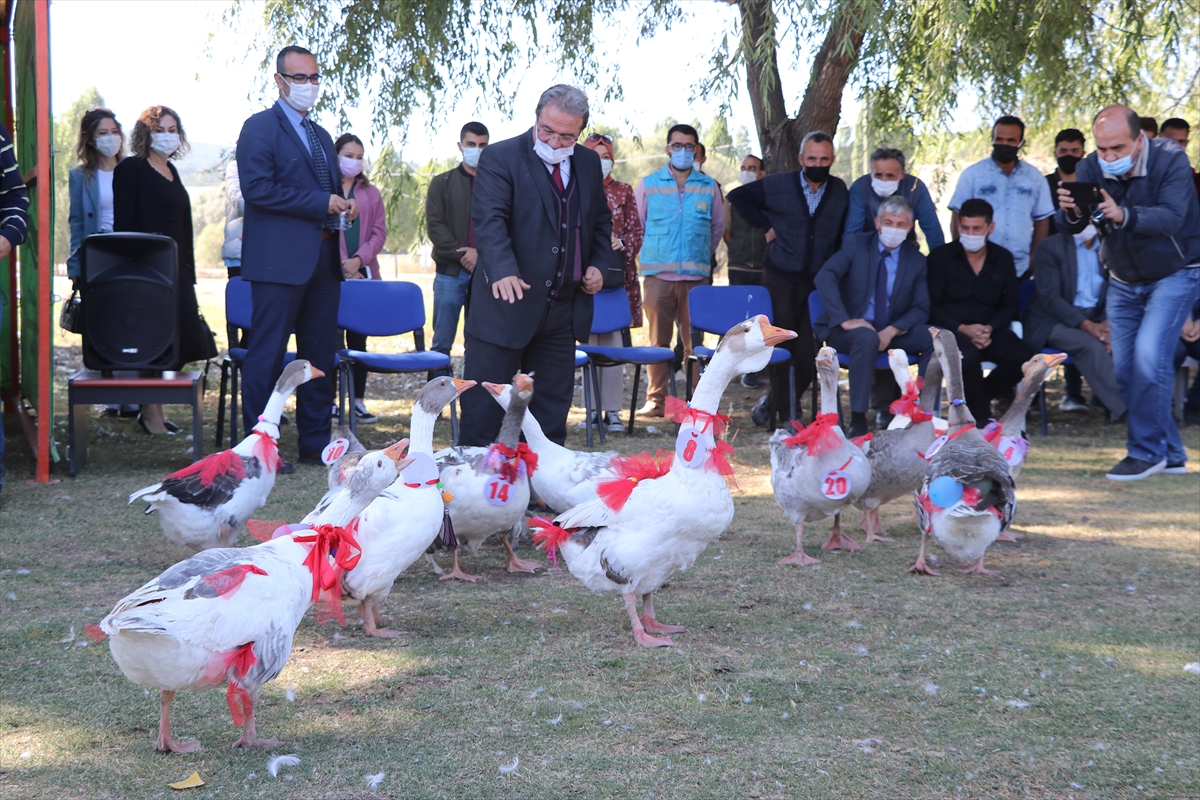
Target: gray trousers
[(862, 345), (1093, 361)]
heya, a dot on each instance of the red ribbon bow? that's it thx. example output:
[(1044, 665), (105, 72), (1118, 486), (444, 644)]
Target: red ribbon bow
[(508, 468), (679, 411), (718, 460), (992, 433), (212, 467), (266, 449), (330, 541), (631, 470), (820, 437), (909, 404), (549, 536), (240, 660)]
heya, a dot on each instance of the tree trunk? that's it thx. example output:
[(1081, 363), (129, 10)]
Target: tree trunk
[(762, 78)]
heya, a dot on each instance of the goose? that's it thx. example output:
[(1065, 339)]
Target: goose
[(968, 495), (229, 614), (399, 525), (818, 472), (664, 523), (489, 486), (912, 394), (897, 456), (206, 504), (340, 455), (1008, 435)]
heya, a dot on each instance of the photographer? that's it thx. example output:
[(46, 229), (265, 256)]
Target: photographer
[(1149, 223)]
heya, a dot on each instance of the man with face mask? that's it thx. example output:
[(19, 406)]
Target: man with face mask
[(1016, 191), (745, 242), (448, 223), (1149, 223), (875, 297), (887, 178), (292, 194)]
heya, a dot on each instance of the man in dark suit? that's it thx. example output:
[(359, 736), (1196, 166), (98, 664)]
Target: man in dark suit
[(293, 196), (875, 297), (543, 232), (1067, 310)]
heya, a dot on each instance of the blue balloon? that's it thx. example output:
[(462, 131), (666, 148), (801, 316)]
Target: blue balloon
[(945, 491)]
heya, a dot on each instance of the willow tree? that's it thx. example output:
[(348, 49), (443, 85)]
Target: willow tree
[(909, 60)]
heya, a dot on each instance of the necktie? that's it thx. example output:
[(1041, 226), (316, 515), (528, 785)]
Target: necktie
[(882, 319), (321, 166), (556, 174)]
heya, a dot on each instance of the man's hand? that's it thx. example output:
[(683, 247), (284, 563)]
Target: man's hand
[(510, 289), (1094, 329), (336, 204), (886, 335), (469, 256), (352, 268), (980, 335), (1190, 332), (593, 281), (351, 210), (1065, 201), (617, 244), (851, 324), (771, 235), (1111, 210), (6, 247)]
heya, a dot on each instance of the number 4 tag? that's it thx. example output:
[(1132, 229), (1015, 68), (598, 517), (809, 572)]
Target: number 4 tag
[(1013, 449)]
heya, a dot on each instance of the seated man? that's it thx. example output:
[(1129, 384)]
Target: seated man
[(875, 296), (973, 291), (1067, 311), (1189, 345)]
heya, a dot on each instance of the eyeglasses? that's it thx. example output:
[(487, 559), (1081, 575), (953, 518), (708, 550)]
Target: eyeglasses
[(600, 137), (677, 146), (561, 138), (300, 77)]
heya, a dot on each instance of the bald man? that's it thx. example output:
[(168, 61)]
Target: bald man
[(1149, 226)]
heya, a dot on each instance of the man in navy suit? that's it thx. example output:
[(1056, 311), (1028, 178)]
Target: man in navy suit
[(293, 196), (875, 298), (543, 232)]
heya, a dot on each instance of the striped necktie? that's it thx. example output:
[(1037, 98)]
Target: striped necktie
[(321, 166)]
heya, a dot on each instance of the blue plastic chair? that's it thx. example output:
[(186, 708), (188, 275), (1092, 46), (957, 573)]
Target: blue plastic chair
[(581, 362), (239, 312), (1028, 289), (612, 314), (385, 308), (716, 309)]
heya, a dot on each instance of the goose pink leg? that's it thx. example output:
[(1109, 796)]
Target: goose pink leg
[(978, 569), (249, 737), (639, 630), (651, 624), (456, 573), (838, 540), (517, 564), (874, 528), (1009, 536), (370, 616), (921, 566), (165, 743), (798, 557)]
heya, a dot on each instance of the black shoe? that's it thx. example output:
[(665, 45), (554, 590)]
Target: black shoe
[(883, 419), (130, 411), (111, 412), (285, 468), (1134, 469), (166, 424), (171, 426), (750, 381), (311, 458), (857, 428), (761, 413), (1072, 402), (1175, 468), (283, 420)]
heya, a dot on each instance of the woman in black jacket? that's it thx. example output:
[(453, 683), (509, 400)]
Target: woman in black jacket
[(149, 197)]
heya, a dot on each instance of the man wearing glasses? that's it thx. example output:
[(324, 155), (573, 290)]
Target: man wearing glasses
[(543, 233), (684, 216), (293, 199)]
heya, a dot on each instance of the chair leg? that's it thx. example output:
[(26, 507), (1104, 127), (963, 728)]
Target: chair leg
[(221, 404), (671, 389), (687, 378), (1042, 406), (637, 379), (454, 422), (587, 406), (234, 404), (198, 424), (348, 383), (814, 401), (792, 390), (595, 378)]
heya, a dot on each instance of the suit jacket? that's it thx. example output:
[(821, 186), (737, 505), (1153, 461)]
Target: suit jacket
[(847, 284), (1054, 296), (513, 208), (285, 204), (448, 218), (83, 213), (372, 228)]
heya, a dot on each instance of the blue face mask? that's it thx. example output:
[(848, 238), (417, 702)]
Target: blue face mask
[(1114, 169), (682, 159)]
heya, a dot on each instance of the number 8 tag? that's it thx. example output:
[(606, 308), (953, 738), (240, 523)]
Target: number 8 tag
[(334, 450), (835, 484), (692, 446), (496, 491)]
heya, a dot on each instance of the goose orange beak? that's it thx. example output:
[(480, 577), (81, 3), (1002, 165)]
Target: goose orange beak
[(494, 389), (461, 386), (1054, 359), (524, 383), (396, 453), (316, 373), (772, 335)]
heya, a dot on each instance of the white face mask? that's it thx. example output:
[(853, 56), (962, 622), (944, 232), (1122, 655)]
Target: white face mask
[(302, 96), (108, 145), (1087, 234), (551, 155), (351, 167), (972, 243), (471, 155), (606, 166), (745, 176), (884, 188), (892, 237), (165, 144)]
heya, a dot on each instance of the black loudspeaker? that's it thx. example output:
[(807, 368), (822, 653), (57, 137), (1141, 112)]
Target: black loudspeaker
[(130, 303)]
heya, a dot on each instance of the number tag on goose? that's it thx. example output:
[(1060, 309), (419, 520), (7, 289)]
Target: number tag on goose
[(693, 445), (334, 450), (497, 491), (936, 445), (835, 484), (1013, 448), (421, 472)]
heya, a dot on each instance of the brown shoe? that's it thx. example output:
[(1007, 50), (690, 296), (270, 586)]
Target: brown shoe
[(651, 409)]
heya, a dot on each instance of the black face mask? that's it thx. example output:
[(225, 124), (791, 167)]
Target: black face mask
[(816, 174), (1004, 153), (1067, 164)]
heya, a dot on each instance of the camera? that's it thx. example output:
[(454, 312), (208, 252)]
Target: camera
[(1103, 226)]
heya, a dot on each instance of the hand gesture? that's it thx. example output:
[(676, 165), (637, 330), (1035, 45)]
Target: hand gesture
[(351, 210), (337, 204), (469, 256), (510, 289), (593, 281)]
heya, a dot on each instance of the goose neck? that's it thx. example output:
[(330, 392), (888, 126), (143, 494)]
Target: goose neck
[(711, 386), (420, 431)]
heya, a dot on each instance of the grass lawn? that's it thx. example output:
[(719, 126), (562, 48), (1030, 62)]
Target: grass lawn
[(1061, 677)]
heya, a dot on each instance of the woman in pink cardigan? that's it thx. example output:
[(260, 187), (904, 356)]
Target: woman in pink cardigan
[(360, 245)]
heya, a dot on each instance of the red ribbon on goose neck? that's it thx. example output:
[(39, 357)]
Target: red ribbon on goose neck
[(992, 433), (820, 437), (909, 403), (508, 469), (550, 536), (679, 411), (330, 541), (631, 470), (266, 449)]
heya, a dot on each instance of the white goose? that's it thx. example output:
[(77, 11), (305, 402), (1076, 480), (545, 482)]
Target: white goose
[(229, 615), (399, 525), (666, 522), (911, 393), (818, 472), (206, 504), (968, 496), (489, 486)]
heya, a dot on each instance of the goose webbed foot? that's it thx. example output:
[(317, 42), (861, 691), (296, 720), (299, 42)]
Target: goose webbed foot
[(1010, 536), (518, 564), (370, 616), (165, 742), (873, 527), (922, 567), (249, 737), (800, 559), (639, 630), (838, 540), (651, 624), (457, 574), (978, 569)]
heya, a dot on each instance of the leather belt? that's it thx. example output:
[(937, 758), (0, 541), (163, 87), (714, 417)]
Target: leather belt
[(327, 234)]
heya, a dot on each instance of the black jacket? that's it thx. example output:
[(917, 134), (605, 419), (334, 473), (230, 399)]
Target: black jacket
[(957, 296), (1054, 299)]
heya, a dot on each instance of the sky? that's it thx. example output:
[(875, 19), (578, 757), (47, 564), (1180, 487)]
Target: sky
[(209, 73)]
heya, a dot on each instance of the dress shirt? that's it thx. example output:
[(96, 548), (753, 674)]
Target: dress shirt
[(297, 120), (892, 263), (1018, 200), (1088, 278), (564, 168), (813, 198)]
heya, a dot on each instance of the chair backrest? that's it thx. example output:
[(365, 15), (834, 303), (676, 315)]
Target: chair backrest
[(239, 303), (1027, 290), (382, 308), (815, 307), (716, 309), (611, 311)]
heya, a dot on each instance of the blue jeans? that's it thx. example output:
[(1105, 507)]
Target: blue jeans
[(449, 296), (15, 378), (1144, 322)]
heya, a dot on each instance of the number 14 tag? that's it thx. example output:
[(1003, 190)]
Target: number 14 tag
[(496, 491)]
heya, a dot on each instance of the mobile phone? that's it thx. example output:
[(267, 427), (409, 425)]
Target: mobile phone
[(1084, 193)]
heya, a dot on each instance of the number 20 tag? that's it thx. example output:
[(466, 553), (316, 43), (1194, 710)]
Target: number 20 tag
[(835, 484), (692, 446), (497, 491), (334, 450)]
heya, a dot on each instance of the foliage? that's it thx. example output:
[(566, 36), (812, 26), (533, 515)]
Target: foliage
[(66, 130)]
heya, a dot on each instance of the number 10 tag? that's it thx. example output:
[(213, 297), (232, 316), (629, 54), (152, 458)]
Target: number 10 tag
[(835, 484), (692, 446), (937, 444), (334, 450), (496, 491)]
